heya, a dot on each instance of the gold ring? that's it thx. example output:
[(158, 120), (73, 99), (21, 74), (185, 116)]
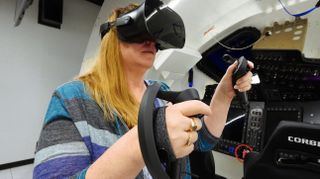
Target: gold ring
[(193, 126), (188, 143)]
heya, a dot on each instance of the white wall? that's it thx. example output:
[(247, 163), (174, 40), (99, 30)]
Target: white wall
[(34, 59)]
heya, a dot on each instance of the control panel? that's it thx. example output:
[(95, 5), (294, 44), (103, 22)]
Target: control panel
[(256, 124)]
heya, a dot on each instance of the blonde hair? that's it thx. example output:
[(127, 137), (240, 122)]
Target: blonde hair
[(106, 80)]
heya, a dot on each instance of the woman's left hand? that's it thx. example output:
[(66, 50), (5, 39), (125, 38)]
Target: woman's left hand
[(221, 100), (226, 88)]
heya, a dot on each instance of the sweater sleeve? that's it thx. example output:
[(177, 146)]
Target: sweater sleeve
[(60, 150), (206, 141)]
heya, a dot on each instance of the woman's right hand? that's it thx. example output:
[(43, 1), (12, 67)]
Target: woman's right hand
[(179, 125)]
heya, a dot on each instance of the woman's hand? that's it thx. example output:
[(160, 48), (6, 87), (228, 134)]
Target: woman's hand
[(221, 100), (225, 88), (180, 123)]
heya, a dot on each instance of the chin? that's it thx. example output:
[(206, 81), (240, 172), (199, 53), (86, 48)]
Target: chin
[(147, 66), (148, 61)]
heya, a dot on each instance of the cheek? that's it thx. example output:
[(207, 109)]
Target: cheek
[(130, 56), (126, 52), (129, 50)]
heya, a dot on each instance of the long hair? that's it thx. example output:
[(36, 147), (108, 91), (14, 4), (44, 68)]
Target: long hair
[(106, 80)]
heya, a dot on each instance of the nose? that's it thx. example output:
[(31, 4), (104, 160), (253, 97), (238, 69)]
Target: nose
[(149, 42)]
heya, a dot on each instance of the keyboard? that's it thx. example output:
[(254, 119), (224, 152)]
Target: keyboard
[(285, 75)]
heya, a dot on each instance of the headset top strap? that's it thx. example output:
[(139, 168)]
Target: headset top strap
[(153, 4)]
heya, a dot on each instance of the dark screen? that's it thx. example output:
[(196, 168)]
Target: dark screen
[(233, 129), (212, 62), (274, 117)]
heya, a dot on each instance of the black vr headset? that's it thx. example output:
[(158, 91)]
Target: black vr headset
[(149, 21)]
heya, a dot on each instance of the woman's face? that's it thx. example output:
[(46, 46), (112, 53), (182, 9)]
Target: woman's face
[(138, 55)]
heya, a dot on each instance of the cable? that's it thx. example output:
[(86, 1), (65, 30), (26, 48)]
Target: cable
[(268, 33), (302, 13)]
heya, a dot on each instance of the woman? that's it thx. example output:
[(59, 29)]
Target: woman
[(90, 127)]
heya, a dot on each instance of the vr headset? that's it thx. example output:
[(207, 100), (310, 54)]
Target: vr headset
[(149, 21)]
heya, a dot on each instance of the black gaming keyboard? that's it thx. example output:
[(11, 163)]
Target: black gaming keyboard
[(285, 75)]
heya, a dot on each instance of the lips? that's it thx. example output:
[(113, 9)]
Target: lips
[(153, 51)]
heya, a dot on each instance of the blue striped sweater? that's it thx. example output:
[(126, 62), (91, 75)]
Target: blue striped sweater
[(75, 134)]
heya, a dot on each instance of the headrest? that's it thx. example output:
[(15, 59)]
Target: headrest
[(297, 136), (293, 145)]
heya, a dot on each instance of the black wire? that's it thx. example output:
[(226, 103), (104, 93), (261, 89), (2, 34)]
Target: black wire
[(318, 4)]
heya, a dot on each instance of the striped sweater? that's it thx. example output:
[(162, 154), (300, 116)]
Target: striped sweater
[(75, 134)]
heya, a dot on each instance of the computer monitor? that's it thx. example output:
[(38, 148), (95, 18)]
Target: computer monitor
[(276, 114), (212, 63), (233, 130)]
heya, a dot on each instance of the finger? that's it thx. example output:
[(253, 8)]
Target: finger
[(231, 68), (247, 88), (243, 85), (245, 82), (196, 122), (190, 138), (186, 123), (188, 148), (193, 107), (185, 151), (194, 136), (250, 64), (247, 77)]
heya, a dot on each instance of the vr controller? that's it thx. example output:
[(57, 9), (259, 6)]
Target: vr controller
[(241, 70)]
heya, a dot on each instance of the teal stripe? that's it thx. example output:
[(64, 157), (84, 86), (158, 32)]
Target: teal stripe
[(56, 110), (82, 174), (73, 89), (67, 91)]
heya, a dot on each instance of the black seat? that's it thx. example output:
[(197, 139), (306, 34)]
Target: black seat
[(202, 165), (292, 152)]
